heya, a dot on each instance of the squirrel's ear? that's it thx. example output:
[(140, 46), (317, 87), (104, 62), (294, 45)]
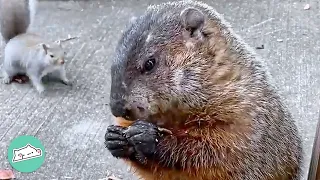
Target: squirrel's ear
[(193, 20), (45, 48)]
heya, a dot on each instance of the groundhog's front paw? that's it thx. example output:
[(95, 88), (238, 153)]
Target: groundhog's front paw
[(144, 137), (116, 143)]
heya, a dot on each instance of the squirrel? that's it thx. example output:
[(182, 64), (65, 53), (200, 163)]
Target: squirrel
[(181, 67), (25, 52)]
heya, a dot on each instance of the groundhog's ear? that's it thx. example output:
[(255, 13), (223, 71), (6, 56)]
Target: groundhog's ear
[(193, 20)]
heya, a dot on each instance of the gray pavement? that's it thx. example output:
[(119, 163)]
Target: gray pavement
[(71, 122)]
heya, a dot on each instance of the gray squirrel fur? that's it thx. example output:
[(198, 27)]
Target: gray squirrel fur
[(275, 143), (26, 52)]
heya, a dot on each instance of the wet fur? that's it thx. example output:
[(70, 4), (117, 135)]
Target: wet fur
[(214, 94)]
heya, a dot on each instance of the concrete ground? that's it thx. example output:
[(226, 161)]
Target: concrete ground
[(71, 122)]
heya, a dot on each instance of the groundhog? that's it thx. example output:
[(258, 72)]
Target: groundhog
[(198, 102)]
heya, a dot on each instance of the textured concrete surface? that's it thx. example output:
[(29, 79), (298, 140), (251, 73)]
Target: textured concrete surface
[(71, 122)]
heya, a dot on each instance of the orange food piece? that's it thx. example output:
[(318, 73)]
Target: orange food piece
[(123, 122)]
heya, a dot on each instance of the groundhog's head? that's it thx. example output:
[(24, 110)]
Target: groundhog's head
[(165, 63)]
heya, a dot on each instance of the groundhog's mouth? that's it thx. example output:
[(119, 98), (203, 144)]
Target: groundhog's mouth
[(162, 117), (123, 122), (162, 120)]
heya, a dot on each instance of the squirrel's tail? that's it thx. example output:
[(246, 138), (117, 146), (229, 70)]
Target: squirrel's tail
[(16, 16)]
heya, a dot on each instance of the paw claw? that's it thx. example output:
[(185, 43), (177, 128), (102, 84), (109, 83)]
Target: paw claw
[(40, 91), (115, 129), (116, 143), (140, 127), (109, 136), (144, 136), (6, 80), (140, 139)]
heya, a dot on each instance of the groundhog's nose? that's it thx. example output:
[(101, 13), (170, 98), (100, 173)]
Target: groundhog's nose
[(129, 111), (136, 110), (118, 108)]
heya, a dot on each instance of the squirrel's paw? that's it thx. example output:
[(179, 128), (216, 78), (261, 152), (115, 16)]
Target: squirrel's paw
[(144, 137), (6, 80), (40, 89), (116, 143)]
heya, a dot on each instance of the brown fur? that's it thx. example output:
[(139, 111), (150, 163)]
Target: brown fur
[(218, 140), (217, 136)]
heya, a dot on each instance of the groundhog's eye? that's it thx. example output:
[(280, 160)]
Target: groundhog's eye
[(149, 64)]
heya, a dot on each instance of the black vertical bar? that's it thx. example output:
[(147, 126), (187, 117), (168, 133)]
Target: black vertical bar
[(314, 169)]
